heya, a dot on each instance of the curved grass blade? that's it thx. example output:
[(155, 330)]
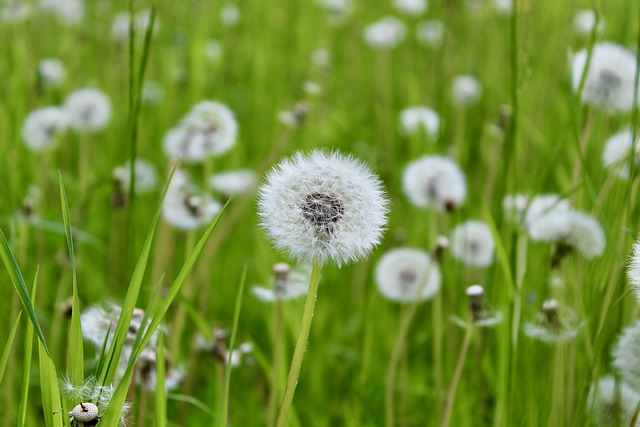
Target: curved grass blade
[(161, 391), (8, 346), (49, 388)]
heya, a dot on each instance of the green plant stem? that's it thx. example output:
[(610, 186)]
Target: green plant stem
[(298, 353), (451, 397), (180, 318), (275, 373)]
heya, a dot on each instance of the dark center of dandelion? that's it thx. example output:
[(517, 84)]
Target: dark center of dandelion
[(193, 205), (322, 210), (407, 280)]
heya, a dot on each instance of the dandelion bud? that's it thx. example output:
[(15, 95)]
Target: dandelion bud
[(476, 305), (442, 244)]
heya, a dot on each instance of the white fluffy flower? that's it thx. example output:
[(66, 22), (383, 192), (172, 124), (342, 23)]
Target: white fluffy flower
[(430, 33), (185, 206), (209, 129), (15, 11), (52, 72), (584, 21), (88, 109), (465, 90), (320, 58), (610, 81), (626, 355), (43, 126), (323, 206), (514, 207), (503, 7), (415, 119), (405, 275), (213, 50), (615, 156), (435, 181), (141, 21), (289, 284), (411, 7), (337, 10), (553, 324), (633, 271), (70, 12), (543, 205), (146, 367), (385, 33), (472, 243), (231, 183), (572, 228), (613, 402), (152, 93), (230, 15), (144, 173)]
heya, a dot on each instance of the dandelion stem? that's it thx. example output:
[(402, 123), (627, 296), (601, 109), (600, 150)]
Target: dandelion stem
[(456, 376), (584, 138), (298, 354), (275, 373)]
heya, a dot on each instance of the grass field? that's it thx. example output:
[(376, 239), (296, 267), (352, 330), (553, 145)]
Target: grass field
[(299, 76)]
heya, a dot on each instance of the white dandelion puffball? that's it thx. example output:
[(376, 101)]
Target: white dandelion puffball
[(185, 206), (610, 81), (15, 12), (232, 183), (84, 412), (633, 270), (503, 7), (434, 181), (289, 284), (414, 119), (626, 355), (337, 10), (430, 33), (141, 21), (542, 205), (584, 21), (614, 402), (411, 7), (465, 90), (88, 109), (213, 50), (70, 12), (617, 149), (472, 244), (209, 129), (323, 206), (385, 33), (230, 15), (405, 275), (144, 173), (573, 228), (321, 58), (42, 127), (52, 72)]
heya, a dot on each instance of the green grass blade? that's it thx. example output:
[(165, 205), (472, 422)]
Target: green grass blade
[(112, 414), (224, 403), (51, 405), (76, 355), (21, 288), (161, 392), (8, 346), (106, 377), (26, 367)]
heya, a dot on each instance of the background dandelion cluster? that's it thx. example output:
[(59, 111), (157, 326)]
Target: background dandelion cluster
[(505, 160)]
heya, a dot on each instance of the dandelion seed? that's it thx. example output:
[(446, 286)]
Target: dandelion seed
[(144, 173), (472, 244), (411, 7), (88, 110), (584, 21), (52, 72), (553, 324), (616, 153), (543, 205), (465, 90), (434, 181), (230, 15), (185, 206), (405, 275), (613, 402), (430, 34), (288, 284), (419, 118), (42, 128), (385, 33), (610, 81), (626, 355), (323, 206), (234, 182)]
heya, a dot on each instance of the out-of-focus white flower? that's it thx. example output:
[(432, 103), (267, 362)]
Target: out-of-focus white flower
[(141, 22), (411, 7), (43, 127), (86, 412), (52, 72), (430, 33), (633, 271), (415, 119), (219, 351), (323, 206), (185, 206), (288, 283), (610, 81), (465, 90), (146, 367), (554, 323), (472, 244), (503, 7), (213, 50), (434, 181), (571, 228), (584, 21), (617, 150), (231, 183), (320, 58), (311, 88), (405, 275), (626, 355), (209, 129), (543, 205), (152, 93), (385, 33), (15, 11), (482, 315), (613, 402), (515, 206), (230, 15), (70, 12), (88, 109), (294, 117), (144, 173), (338, 11)]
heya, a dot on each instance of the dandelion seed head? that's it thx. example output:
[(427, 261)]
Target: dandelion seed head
[(288, 283), (542, 205), (613, 402), (633, 269), (144, 173), (626, 355), (52, 72), (88, 109), (572, 228), (583, 22), (69, 12), (434, 181), (230, 15), (234, 182), (338, 11), (465, 90), (472, 244), (617, 150), (213, 50), (15, 12), (430, 33), (402, 273), (411, 7), (323, 206), (554, 323), (386, 33), (419, 118), (42, 128)]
